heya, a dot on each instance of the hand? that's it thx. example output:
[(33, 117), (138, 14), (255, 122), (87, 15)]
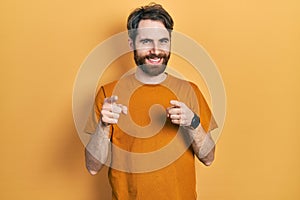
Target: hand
[(179, 113), (111, 110)]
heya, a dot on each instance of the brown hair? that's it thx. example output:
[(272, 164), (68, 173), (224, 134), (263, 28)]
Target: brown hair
[(152, 11)]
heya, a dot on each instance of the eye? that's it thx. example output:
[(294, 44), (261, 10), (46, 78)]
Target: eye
[(146, 41), (164, 41)]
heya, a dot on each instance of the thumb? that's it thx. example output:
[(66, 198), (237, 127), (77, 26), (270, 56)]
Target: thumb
[(124, 109), (176, 103)]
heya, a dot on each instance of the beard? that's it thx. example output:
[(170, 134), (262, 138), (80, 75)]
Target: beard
[(151, 70)]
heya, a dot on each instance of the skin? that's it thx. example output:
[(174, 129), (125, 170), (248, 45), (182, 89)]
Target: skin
[(152, 48)]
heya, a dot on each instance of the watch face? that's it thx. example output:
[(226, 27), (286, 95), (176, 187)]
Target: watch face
[(195, 121)]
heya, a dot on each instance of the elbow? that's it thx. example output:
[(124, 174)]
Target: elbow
[(92, 172), (209, 159), (93, 169), (92, 164), (207, 163)]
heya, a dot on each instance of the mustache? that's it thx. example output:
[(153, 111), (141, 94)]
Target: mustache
[(153, 56)]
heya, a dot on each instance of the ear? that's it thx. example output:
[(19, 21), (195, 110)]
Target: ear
[(130, 43)]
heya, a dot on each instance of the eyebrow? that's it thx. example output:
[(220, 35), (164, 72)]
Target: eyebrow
[(143, 39), (162, 39)]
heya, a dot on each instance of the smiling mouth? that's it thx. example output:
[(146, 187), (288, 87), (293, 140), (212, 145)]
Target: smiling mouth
[(154, 61)]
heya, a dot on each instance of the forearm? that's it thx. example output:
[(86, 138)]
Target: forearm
[(203, 145), (97, 149)]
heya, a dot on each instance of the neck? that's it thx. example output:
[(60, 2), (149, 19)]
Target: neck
[(146, 79)]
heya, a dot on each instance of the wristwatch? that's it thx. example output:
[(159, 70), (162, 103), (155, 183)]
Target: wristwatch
[(195, 121)]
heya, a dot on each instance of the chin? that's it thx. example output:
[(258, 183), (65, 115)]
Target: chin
[(153, 70)]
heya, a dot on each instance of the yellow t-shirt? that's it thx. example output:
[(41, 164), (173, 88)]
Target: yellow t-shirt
[(151, 158)]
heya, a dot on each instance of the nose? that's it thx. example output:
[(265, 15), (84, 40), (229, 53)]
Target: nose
[(155, 49)]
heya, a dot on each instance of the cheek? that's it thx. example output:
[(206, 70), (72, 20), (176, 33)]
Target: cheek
[(166, 48), (142, 53)]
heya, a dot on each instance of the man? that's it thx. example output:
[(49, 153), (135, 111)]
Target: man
[(150, 149)]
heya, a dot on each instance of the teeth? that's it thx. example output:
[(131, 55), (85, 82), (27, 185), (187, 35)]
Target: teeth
[(155, 60)]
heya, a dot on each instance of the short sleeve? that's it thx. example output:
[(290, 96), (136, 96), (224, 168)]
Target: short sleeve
[(94, 115), (207, 119)]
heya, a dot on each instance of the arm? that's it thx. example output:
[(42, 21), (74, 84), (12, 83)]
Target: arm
[(96, 151), (202, 143), (98, 148)]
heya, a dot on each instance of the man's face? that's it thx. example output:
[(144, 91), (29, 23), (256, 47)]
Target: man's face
[(152, 47)]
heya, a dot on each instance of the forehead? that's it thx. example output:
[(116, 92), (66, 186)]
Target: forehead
[(152, 29)]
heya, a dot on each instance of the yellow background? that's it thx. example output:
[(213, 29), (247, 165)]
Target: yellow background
[(255, 44)]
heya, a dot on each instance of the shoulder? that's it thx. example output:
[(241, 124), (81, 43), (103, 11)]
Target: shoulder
[(121, 84), (182, 84)]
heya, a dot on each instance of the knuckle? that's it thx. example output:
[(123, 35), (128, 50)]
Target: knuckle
[(116, 116), (118, 109), (110, 121), (106, 106), (103, 112), (104, 119)]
